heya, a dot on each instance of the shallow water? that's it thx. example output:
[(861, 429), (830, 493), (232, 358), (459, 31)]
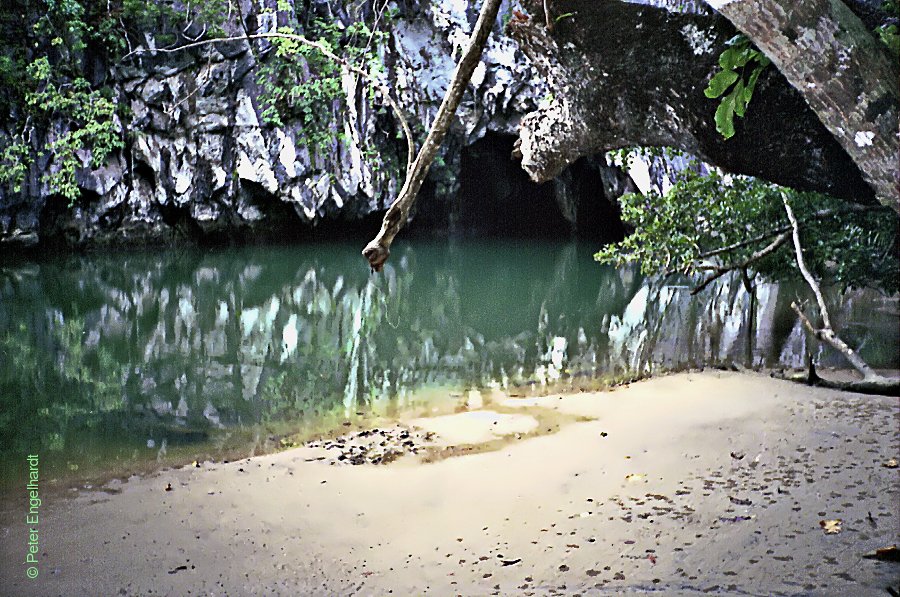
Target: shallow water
[(122, 362)]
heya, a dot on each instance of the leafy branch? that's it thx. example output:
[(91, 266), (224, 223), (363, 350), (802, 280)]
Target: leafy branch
[(708, 225), (741, 64)]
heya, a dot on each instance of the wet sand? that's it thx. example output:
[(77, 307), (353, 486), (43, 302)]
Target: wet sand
[(698, 482)]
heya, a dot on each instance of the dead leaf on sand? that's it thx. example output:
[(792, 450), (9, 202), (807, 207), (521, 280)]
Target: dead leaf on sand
[(831, 527), (886, 554)]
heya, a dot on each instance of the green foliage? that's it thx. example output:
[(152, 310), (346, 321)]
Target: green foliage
[(91, 124), (888, 33), (45, 87), (684, 231), (14, 160), (300, 83), (66, 113), (741, 66), (890, 36)]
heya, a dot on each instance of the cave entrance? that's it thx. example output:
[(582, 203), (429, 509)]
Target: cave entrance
[(497, 199)]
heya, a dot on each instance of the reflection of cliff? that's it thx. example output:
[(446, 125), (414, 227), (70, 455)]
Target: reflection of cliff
[(202, 341)]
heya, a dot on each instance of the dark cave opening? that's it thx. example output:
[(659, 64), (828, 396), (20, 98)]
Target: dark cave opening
[(497, 199)]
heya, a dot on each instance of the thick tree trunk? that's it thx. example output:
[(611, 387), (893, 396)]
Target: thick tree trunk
[(615, 85), (378, 250), (843, 73)]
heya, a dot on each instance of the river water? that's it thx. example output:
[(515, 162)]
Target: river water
[(121, 362)]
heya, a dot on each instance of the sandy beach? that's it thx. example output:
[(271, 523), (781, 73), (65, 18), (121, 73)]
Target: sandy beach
[(709, 482)]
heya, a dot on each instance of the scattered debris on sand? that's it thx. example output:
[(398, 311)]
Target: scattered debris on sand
[(373, 446)]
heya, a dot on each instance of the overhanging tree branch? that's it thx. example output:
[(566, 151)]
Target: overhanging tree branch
[(782, 233), (720, 271), (378, 250), (745, 243)]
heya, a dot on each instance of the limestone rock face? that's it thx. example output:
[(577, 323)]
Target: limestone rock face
[(201, 162)]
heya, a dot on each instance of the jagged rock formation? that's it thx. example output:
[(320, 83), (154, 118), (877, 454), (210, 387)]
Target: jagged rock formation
[(201, 164)]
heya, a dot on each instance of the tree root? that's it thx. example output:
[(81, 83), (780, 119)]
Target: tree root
[(882, 386)]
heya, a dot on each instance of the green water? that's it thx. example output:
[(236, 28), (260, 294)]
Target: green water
[(114, 363)]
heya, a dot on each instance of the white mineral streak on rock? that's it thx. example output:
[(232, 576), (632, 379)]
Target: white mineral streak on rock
[(864, 138), (701, 42), (287, 153)]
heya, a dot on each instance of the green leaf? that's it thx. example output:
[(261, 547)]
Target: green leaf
[(751, 83), (720, 83), (725, 117), (733, 58), (740, 105)]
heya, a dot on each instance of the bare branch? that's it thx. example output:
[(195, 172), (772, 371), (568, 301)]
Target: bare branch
[(372, 33), (744, 243), (823, 310), (826, 333), (722, 270), (378, 250)]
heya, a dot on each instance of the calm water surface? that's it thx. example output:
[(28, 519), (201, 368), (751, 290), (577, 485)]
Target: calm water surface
[(122, 362)]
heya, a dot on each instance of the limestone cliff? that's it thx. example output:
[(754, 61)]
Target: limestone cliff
[(200, 163)]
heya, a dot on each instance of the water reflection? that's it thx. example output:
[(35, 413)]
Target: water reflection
[(141, 357)]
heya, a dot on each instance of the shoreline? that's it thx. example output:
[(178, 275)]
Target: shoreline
[(700, 481), (282, 436)]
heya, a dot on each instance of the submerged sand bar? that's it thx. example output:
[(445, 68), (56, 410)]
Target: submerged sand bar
[(694, 482)]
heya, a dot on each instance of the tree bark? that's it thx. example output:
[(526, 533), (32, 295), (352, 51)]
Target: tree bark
[(844, 74), (378, 250), (614, 85)]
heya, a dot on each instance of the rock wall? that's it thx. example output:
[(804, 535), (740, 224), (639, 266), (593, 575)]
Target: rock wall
[(200, 163)]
